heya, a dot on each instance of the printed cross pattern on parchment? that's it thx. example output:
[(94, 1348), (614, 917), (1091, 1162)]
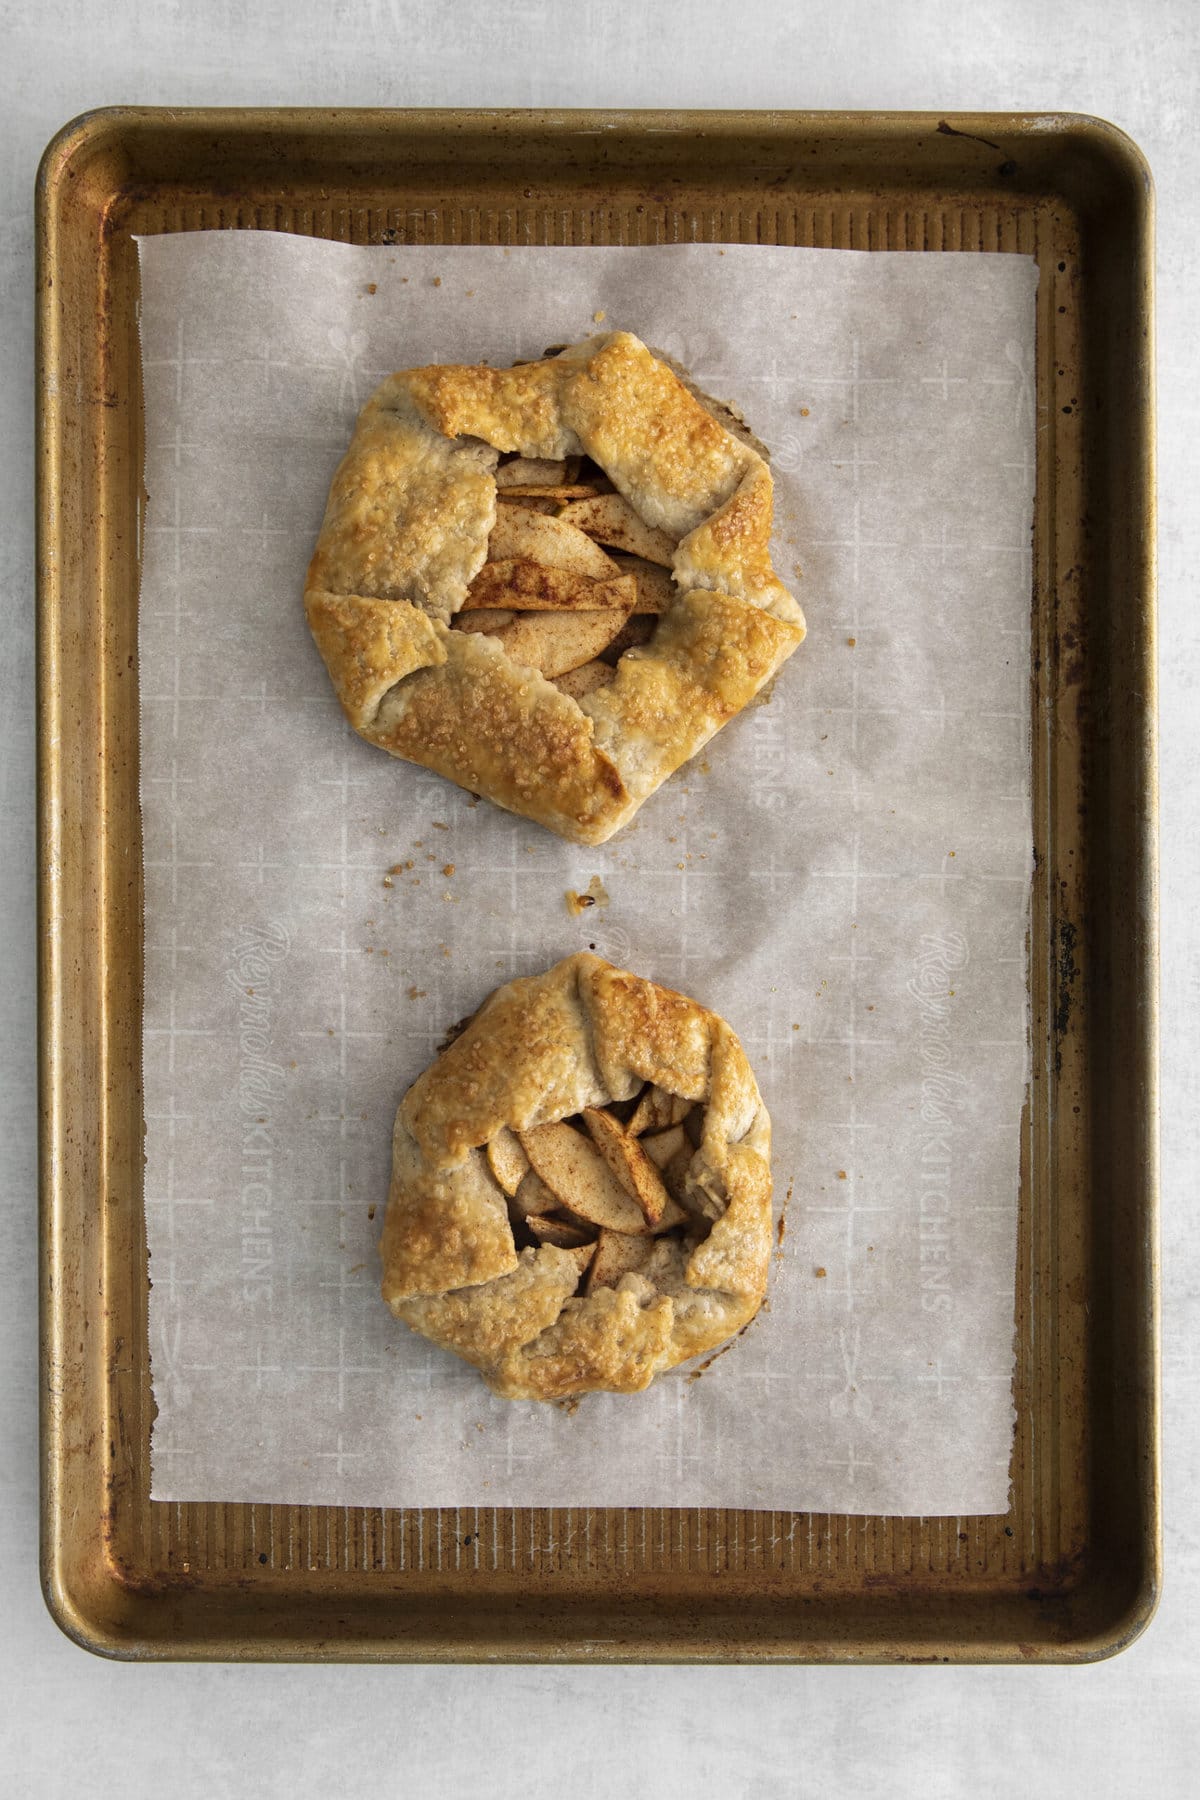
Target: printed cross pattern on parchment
[(830, 399)]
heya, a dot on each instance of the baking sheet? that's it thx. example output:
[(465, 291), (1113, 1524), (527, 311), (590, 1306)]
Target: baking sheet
[(844, 874)]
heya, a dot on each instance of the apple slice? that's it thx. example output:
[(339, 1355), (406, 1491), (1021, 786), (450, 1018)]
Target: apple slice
[(657, 1110), (611, 519), (585, 679), (675, 1172), (552, 643), (690, 1198), (617, 1255), (536, 537), (688, 1203), (581, 1181), (532, 1196), (570, 490), (559, 1232), (638, 628), (656, 589), (704, 1192), (532, 471), (660, 1146), (581, 1255), (532, 587), (628, 1162), (487, 620), (542, 502), (506, 1159), (673, 1214)]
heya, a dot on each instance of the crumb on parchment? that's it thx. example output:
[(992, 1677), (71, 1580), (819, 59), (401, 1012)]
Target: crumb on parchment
[(595, 894)]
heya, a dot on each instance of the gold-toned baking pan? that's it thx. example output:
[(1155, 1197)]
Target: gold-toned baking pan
[(1072, 1573)]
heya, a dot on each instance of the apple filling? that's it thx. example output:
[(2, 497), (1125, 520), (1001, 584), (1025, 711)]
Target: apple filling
[(574, 576), (616, 1181)]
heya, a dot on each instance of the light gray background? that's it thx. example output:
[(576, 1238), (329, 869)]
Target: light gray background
[(70, 1724)]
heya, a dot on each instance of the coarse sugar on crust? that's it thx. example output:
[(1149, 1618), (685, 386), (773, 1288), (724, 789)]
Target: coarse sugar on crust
[(528, 1231), (469, 690)]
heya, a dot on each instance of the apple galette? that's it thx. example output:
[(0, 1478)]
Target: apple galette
[(550, 583), (581, 1186)]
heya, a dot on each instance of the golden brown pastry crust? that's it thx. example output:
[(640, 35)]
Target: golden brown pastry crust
[(539, 1050), (407, 526)]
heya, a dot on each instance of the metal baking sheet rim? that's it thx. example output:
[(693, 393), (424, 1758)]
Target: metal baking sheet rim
[(115, 1577)]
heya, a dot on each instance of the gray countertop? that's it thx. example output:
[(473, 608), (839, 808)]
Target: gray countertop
[(71, 1724)]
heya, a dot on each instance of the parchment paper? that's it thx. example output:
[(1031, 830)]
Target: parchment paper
[(843, 874)]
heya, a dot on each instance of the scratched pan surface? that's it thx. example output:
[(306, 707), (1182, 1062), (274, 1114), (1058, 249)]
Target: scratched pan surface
[(1072, 1573)]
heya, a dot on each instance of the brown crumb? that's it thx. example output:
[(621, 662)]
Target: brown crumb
[(371, 288), (819, 1273), (447, 869), (598, 318), (437, 281), (841, 1174), (371, 1210), (416, 993), (852, 642), (595, 894), (388, 882), (440, 825)]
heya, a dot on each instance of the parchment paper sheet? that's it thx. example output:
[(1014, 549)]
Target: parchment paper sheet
[(843, 874)]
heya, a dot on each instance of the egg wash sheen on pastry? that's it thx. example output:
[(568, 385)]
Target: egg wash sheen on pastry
[(551, 583)]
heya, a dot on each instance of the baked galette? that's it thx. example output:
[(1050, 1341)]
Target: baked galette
[(551, 583), (581, 1186)]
